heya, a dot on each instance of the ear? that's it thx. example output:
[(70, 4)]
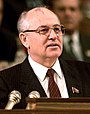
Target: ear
[(24, 39)]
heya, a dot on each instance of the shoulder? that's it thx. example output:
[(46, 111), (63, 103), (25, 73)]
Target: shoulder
[(81, 67), (10, 72), (78, 64), (13, 71), (78, 70), (84, 38)]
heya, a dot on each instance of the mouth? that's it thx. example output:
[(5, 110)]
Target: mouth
[(53, 45)]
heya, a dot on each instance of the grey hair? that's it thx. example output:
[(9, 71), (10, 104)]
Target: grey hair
[(22, 23)]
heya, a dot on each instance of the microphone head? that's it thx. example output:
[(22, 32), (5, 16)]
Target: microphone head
[(15, 96), (34, 94)]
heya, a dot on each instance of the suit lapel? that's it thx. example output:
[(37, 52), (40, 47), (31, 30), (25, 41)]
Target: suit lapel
[(73, 82), (29, 81)]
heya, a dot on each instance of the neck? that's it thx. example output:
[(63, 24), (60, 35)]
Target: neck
[(45, 62)]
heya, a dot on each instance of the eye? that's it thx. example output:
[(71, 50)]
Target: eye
[(73, 9), (57, 29), (62, 9), (44, 30)]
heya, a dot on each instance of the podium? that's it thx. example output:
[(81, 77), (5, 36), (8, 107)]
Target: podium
[(53, 106)]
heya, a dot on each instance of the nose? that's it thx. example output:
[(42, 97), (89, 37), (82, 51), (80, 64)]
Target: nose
[(68, 12), (52, 34)]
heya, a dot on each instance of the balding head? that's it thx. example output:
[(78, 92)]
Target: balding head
[(41, 33), (34, 17)]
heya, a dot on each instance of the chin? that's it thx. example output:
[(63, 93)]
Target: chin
[(55, 56)]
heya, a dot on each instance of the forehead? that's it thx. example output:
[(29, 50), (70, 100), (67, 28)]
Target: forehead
[(42, 16), (66, 3)]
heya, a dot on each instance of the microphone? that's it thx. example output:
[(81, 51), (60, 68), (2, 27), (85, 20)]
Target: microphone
[(14, 98), (33, 94)]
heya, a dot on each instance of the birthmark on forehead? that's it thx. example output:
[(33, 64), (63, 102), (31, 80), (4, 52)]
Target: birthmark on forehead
[(39, 10)]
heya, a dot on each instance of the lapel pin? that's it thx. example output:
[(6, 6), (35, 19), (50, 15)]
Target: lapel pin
[(75, 90)]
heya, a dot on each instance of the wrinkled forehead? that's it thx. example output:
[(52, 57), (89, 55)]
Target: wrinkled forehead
[(41, 15)]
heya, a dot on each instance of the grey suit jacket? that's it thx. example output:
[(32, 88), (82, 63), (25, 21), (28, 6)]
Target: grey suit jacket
[(23, 79)]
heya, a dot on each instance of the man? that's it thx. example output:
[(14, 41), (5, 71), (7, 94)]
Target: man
[(40, 31), (76, 44)]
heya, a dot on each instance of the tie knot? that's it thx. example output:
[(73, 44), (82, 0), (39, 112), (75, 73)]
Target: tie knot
[(50, 72)]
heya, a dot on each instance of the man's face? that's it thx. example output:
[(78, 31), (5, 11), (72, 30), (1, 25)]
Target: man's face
[(68, 12), (44, 47)]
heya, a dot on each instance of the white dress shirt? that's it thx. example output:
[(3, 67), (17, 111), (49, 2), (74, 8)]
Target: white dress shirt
[(41, 71)]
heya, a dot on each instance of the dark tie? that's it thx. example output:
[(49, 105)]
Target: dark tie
[(71, 49), (52, 86)]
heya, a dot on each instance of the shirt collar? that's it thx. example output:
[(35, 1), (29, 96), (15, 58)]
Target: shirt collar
[(41, 70), (57, 68), (75, 36)]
